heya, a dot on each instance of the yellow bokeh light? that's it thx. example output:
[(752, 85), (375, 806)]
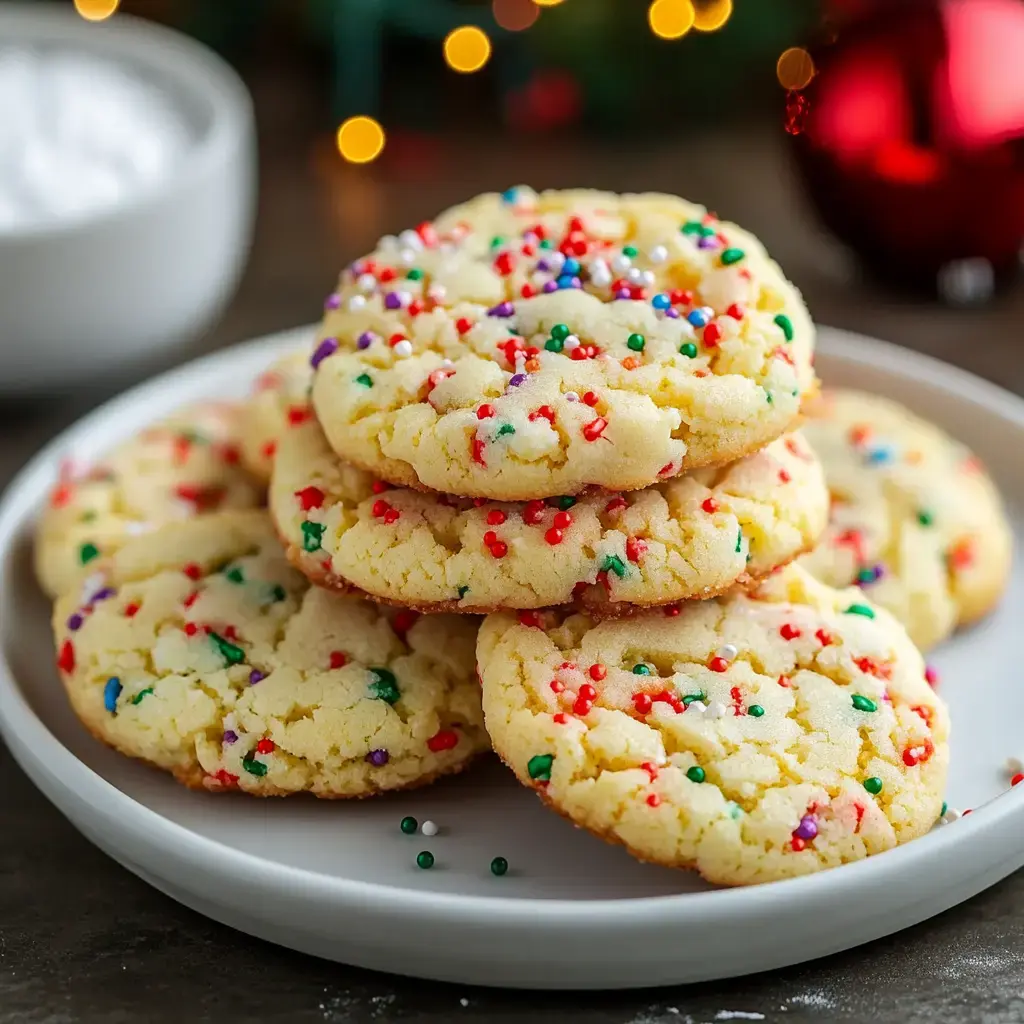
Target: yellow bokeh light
[(467, 49), (360, 140), (711, 15), (96, 10), (795, 68), (547, 3), (515, 15), (670, 19)]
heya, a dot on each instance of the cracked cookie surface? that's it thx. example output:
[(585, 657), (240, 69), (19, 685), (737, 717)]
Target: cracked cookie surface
[(691, 537), (200, 650), (916, 521), (179, 467), (533, 344), (753, 738)]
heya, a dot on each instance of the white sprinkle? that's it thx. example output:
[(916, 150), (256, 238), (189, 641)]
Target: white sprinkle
[(356, 303), (658, 254), (647, 278), (697, 706), (572, 342), (727, 651), (403, 349), (411, 240), (92, 585), (137, 527), (716, 709), (447, 364), (600, 274), (951, 815), (404, 297), (437, 293), (366, 282), (388, 242), (571, 396), (1014, 765), (407, 256), (556, 261), (428, 828), (621, 263), (635, 275)]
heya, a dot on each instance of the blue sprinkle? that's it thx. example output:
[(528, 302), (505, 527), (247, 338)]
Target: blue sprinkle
[(661, 301), (111, 692), (565, 281), (510, 195), (571, 267), (698, 318), (880, 455)]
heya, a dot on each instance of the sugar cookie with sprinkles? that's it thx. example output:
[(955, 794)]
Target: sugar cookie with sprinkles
[(280, 400), (201, 651), (753, 738), (531, 344), (916, 521), (182, 466), (691, 537)]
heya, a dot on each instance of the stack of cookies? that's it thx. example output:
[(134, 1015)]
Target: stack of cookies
[(576, 413)]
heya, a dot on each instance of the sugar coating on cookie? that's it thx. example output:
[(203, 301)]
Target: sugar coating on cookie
[(693, 536), (279, 401), (201, 651), (754, 738), (531, 344), (182, 466), (915, 521)]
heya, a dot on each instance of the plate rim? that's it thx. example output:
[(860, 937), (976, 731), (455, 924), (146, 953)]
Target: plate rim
[(40, 753)]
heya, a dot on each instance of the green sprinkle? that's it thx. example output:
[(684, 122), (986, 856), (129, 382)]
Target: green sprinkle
[(415, 274), (755, 711), (862, 703), (141, 695), (945, 807), (739, 541), (691, 697), (786, 325), (560, 332), (735, 811), (925, 518), (554, 344), (408, 825), (539, 767), (384, 686), (874, 786), (87, 552), (505, 429), (861, 609), (695, 774), (234, 575), (278, 593), (463, 591), (866, 576), (636, 342), (731, 256), (688, 349), (641, 670), (312, 535), (565, 502), (425, 860), (497, 241), (545, 244), (616, 565), (254, 767), (629, 250), (768, 397), (499, 867), (692, 227), (365, 380), (231, 653)]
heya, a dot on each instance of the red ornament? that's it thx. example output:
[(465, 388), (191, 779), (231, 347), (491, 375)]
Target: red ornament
[(910, 139)]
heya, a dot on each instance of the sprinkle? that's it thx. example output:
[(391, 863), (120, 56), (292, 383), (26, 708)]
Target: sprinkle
[(365, 380), (445, 739), (717, 664), (1017, 779), (230, 736), (698, 318), (312, 536), (266, 746), (505, 429), (428, 828), (425, 860), (517, 380), (111, 691), (142, 695), (502, 309), (232, 575), (326, 348), (862, 703), (378, 758), (730, 256), (254, 767), (256, 676), (788, 631), (231, 653), (499, 867), (696, 774), (403, 348), (597, 672), (636, 342), (925, 518), (408, 825), (739, 540), (75, 621), (873, 785), (539, 767), (87, 552), (641, 670), (595, 428), (66, 658), (616, 565), (384, 686), (861, 609), (366, 339), (565, 502), (333, 301), (784, 323), (338, 659), (755, 710)]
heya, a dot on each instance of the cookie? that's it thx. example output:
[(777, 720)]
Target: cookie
[(916, 521), (179, 467), (280, 400), (201, 651), (527, 345), (693, 536), (753, 738)]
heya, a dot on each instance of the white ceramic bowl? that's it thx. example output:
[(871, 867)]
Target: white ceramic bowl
[(119, 288)]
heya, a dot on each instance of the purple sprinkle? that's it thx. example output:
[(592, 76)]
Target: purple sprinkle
[(672, 314), (103, 595), (75, 622), (333, 301), (623, 293), (516, 379), (502, 309), (807, 829), (392, 301), (708, 243), (326, 348), (365, 339), (378, 758), (543, 265), (230, 736), (256, 676), (550, 286)]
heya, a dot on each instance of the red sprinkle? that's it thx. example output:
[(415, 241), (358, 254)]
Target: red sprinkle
[(66, 658), (736, 311), (191, 599), (533, 512), (797, 843), (561, 718), (824, 638), (788, 631), (590, 399), (531, 619), (192, 571), (463, 324), (593, 430), (718, 664), (485, 412), (191, 629), (643, 703), (131, 610), (392, 516), (299, 414), (404, 621), (225, 778), (712, 335), (616, 505), (784, 476), (265, 746), (710, 506), (499, 550), (784, 681), (651, 769), (582, 706), (527, 291), (563, 520), (310, 497), (1017, 779), (557, 686), (379, 487), (379, 508), (544, 412), (446, 739), (477, 448), (672, 610), (505, 263), (653, 800), (554, 536), (635, 549), (597, 672), (495, 517)]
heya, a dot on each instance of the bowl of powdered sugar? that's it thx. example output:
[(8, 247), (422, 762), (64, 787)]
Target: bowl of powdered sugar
[(127, 186)]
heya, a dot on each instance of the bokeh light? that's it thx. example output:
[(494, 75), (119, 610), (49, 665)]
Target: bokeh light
[(547, 3), (795, 68), (515, 15), (96, 10), (467, 49), (670, 19), (711, 15), (360, 140)]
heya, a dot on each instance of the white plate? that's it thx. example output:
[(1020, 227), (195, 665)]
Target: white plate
[(340, 881)]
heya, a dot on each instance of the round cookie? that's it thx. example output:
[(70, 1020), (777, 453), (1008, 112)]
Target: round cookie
[(526, 345), (201, 651), (693, 536), (179, 467), (916, 521), (280, 400), (754, 738)]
